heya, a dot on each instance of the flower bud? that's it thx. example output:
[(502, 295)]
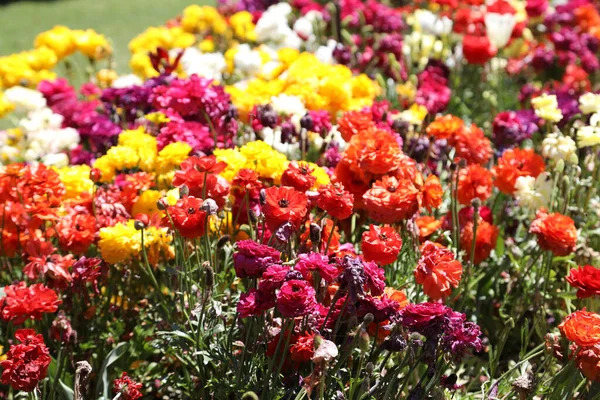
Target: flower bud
[(184, 191), (476, 203), (364, 341), (162, 204), (560, 166), (141, 221), (315, 233), (222, 241), (307, 122), (462, 163), (263, 197), (210, 275), (138, 225), (394, 343), (95, 175), (249, 396), (369, 318), (210, 207)]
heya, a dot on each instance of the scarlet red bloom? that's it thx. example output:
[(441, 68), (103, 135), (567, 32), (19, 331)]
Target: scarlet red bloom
[(188, 217), (381, 244), (303, 348), (76, 232), (299, 176), (478, 49), (296, 298), (582, 328), (199, 175), (246, 182), (445, 127), (127, 387), (474, 182), (472, 145), (353, 122), (555, 232), (284, 204), (437, 270), (513, 164), (336, 201), (22, 302), (26, 363), (485, 242), (587, 281), (391, 200)]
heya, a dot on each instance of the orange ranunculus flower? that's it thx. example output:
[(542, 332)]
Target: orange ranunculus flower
[(336, 201), (381, 244), (588, 19), (582, 328), (587, 281), (588, 362), (474, 181), (356, 184), (515, 163), (353, 122), (427, 226), (472, 145), (432, 193), (485, 242), (391, 200), (373, 152), (396, 295), (445, 127), (437, 270), (555, 232)]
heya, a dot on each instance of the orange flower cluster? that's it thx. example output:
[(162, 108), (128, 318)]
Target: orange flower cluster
[(582, 328), (469, 142)]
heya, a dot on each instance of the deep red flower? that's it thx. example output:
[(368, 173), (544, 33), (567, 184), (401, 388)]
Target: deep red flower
[(21, 302), (381, 244), (284, 204), (478, 49), (196, 172), (555, 232), (588, 362), (420, 317), (251, 259), (303, 348), (299, 176), (188, 217), (336, 201), (127, 387), (382, 308), (437, 270), (76, 232), (26, 363), (296, 298), (587, 281)]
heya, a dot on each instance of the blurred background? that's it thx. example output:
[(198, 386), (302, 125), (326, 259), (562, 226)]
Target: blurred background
[(118, 20)]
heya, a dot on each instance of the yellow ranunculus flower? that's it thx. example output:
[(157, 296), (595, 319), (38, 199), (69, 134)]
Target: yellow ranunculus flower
[(60, 39)]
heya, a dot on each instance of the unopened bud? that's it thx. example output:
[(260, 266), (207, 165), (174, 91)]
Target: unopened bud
[(162, 204), (315, 233), (364, 340), (462, 163), (210, 207), (263, 197), (369, 318), (138, 225), (222, 241), (184, 191), (560, 166), (476, 202), (95, 175), (252, 216), (210, 275), (249, 396)]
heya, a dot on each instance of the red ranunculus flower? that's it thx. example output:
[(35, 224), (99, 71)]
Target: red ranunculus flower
[(478, 49), (587, 281), (555, 232), (336, 201), (188, 217), (474, 182), (26, 363), (353, 122), (582, 328), (251, 259), (22, 302), (381, 244), (303, 348), (419, 317), (284, 204), (391, 200), (76, 232), (515, 163), (588, 362), (195, 172), (296, 298), (437, 270), (127, 387), (299, 176)]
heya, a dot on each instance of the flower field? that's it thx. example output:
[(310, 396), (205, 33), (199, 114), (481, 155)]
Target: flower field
[(306, 200)]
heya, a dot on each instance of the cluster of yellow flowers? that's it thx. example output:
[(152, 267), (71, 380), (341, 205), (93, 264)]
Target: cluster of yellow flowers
[(267, 162), (320, 86), (64, 42), (122, 242), (76, 179), (137, 149)]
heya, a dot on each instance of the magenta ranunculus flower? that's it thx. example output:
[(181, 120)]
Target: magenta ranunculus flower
[(296, 298), (421, 317), (251, 259), (316, 262), (273, 278)]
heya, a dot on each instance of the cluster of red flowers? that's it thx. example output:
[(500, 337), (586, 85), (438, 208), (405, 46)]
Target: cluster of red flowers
[(27, 362), (582, 328), (127, 387)]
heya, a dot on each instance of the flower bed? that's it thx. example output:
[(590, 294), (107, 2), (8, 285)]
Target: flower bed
[(349, 200)]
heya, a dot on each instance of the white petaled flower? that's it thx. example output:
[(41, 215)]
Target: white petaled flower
[(288, 105), (128, 80), (499, 27), (534, 193), (589, 103), (206, 65), (57, 160), (326, 351), (334, 136), (24, 99), (246, 60), (273, 137), (40, 144), (432, 23), (273, 27), (325, 53), (558, 147), (41, 119)]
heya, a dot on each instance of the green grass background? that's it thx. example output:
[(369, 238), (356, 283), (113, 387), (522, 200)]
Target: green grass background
[(119, 20)]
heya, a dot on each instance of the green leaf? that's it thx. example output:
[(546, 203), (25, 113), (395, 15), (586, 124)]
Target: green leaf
[(116, 353), (178, 334), (68, 393)]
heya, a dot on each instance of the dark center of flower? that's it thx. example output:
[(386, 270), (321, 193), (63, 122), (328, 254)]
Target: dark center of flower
[(392, 188), (191, 210), (383, 236), (283, 203)]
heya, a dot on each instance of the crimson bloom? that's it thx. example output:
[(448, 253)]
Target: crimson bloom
[(199, 174), (299, 176), (284, 204), (478, 49), (336, 201), (587, 281), (22, 302), (381, 244), (26, 363), (127, 387), (76, 232), (188, 217), (303, 348), (251, 259), (296, 298), (316, 262), (437, 270)]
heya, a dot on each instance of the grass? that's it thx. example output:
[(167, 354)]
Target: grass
[(119, 20)]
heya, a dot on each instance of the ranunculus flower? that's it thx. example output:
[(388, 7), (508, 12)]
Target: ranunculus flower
[(336, 201), (499, 27), (381, 244), (21, 302), (251, 259), (582, 328), (284, 204), (127, 387), (423, 316), (26, 363), (437, 270), (515, 163), (326, 351), (588, 362), (296, 298), (299, 176), (555, 232), (474, 182), (485, 241), (316, 262), (304, 348), (188, 217), (587, 281), (478, 49)]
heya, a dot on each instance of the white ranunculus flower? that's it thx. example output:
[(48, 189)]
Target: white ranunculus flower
[(57, 160), (499, 27), (207, 65), (534, 193), (128, 80), (246, 60), (327, 351), (589, 103), (432, 23), (24, 99), (558, 147), (273, 138), (41, 119), (288, 105)]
